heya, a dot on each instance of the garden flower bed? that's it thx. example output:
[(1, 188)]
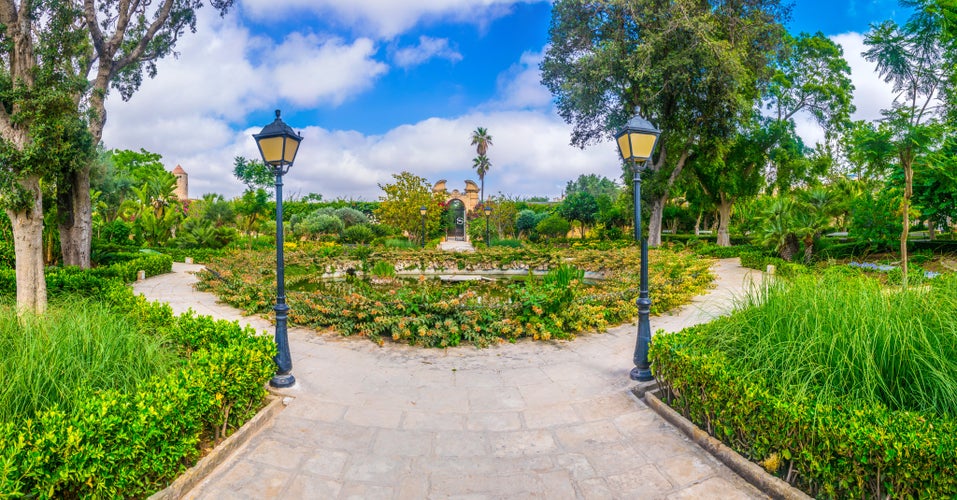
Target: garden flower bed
[(370, 301)]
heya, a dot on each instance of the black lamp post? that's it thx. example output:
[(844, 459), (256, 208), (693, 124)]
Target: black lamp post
[(636, 142), (423, 211), (488, 241), (278, 145)]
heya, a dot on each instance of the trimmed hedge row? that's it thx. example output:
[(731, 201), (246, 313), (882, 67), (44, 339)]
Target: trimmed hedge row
[(132, 444), (760, 261), (827, 451), (92, 282)]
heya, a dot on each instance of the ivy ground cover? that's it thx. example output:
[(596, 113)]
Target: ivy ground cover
[(392, 294)]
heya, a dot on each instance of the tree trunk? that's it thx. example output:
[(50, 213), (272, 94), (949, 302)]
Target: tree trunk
[(931, 230), (790, 247), (28, 249), (75, 218), (724, 220), (908, 190), (658, 202), (697, 223)]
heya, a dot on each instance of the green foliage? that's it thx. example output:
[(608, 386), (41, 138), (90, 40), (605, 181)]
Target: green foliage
[(351, 217), (874, 219), (360, 233), (115, 443), (254, 173), (402, 201), (595, 185), (580, 206), (839, 451), (553, 226), (318, 224), (383, 269), (75, 348), (201, 233), (427, 312), (834, 376)]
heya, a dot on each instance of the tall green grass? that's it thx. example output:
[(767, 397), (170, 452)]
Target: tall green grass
[(77, 347), (840, 338)]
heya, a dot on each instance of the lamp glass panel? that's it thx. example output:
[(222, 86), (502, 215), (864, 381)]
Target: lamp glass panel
[(624, 147), (642, 144), (271, 149), (292, 146)]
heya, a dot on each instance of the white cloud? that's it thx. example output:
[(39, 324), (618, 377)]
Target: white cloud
[(871, 93), (384, 18), (427, 48), (520, 87), (312, 71), (192, 103)]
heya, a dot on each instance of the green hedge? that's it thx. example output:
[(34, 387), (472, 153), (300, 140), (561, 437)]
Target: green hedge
[(92, 282), (827, 451), (760, 261), (132, 444)]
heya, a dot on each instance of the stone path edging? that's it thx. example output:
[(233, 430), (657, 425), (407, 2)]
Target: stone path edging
[(752, 472), (222, 452)]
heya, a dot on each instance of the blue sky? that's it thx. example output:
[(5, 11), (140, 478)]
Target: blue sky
[(382, 86)]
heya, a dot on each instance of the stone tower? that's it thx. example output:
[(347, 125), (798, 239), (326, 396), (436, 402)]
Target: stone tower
[(182, 183)]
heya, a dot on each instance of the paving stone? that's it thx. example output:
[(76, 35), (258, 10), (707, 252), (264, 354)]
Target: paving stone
[(403, 443), (373, 417), (461, 444), (549, 417), (609, 406), (518, 443), (715, 487), (377, 469), (360, 491), (643, 482), (494, 421), (427, 420), (306, 486), (685, 470), (482, 399), (327, 463), (577, 437), (595, 489)]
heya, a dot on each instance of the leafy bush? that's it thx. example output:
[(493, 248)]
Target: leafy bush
[(399, 243), (874, 219), (510, 243), (360, 233), (760, 262), (383, 269), (553, 226), (831, 382), (129, 444), (351, 217)]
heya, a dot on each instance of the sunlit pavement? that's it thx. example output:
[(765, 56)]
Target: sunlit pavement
[(531, 419)]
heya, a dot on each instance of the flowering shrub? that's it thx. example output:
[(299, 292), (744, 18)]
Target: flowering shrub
[(427, 312)]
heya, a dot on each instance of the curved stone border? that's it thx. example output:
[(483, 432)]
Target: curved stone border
[(206, 465), (750, 471)]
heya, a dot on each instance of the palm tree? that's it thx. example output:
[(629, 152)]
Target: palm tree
[(481, 140), (481, 165)]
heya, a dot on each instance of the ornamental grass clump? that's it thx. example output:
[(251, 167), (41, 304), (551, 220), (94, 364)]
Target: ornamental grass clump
[(842, 339), (76, 348)]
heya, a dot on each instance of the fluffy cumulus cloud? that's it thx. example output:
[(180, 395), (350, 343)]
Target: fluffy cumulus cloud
[(520, 87), (194, 105), (530, 156), (383, 18), (427, 48)]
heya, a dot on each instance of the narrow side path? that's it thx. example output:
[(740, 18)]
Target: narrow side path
[(525, 420)]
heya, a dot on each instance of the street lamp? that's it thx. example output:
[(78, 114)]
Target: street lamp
[(636, 142), (423, 211), (488, 211), (278, 145)]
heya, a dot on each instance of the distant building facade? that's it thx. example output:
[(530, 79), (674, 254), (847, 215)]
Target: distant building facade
[(182, 183)]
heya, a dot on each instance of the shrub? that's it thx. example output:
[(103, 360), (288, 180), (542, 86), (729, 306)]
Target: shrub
[(831, 382), (553, 226), (131, 443), (510, 243), (361, 233), (351, 217), (874, 219)]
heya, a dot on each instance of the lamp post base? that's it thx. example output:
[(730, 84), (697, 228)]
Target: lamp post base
[(639, 375), (282, 381)]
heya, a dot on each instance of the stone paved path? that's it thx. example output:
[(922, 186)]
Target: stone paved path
[(548, 420)]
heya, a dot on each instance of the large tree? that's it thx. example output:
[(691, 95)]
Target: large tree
[(481, 140), (910, 57), (125, 39), (692, 67), (401, 203), (42, 136)]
